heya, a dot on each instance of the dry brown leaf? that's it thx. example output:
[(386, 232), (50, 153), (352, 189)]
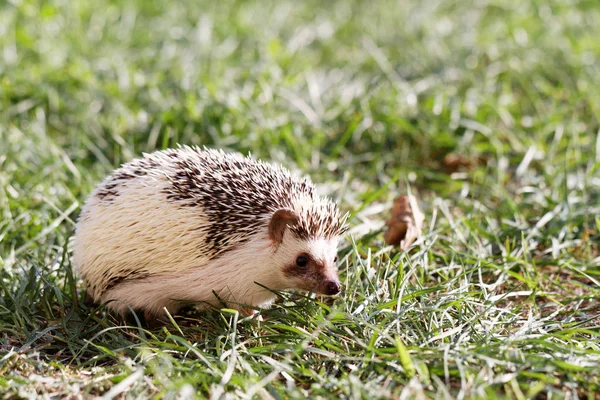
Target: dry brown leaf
[(406, 223), (454, 162)]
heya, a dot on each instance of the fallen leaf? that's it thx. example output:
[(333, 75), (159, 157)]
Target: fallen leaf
[(454, 162), (406, 223)]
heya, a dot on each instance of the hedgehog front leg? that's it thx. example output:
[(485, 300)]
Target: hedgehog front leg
[(248, 312), (153, 319), (89, 300)]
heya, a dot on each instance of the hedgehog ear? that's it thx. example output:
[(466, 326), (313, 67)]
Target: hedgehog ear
[(279, 221)]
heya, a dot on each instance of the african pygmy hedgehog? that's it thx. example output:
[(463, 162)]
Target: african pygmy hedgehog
[(191, 225)]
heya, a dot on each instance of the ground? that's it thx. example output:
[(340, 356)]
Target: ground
[(487, 111)]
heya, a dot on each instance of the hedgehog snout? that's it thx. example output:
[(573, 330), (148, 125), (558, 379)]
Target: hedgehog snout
[(332, 288)]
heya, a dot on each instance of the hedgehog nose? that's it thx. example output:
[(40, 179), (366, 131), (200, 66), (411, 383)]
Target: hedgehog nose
[(332, 287)]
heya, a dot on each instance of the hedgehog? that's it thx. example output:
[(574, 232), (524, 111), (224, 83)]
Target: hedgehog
[(200, 226)]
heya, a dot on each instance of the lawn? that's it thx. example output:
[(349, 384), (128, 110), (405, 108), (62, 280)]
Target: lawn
[(488, 111)]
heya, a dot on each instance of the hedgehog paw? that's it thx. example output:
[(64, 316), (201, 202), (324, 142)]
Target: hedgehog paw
[(155, 320), (251, 313), (89, 300)]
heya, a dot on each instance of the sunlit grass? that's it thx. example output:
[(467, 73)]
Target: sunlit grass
[(500, 298)]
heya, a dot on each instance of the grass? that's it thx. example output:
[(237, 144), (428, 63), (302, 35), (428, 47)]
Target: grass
[(500, 298)]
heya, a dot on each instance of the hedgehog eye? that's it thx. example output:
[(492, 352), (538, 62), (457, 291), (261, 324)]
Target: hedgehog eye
[(335, 260), (302, 260)]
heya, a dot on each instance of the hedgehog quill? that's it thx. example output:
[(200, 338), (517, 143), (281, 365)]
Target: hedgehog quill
[(192, 225)]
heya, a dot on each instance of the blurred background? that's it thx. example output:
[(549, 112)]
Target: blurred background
[(347, 91)]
